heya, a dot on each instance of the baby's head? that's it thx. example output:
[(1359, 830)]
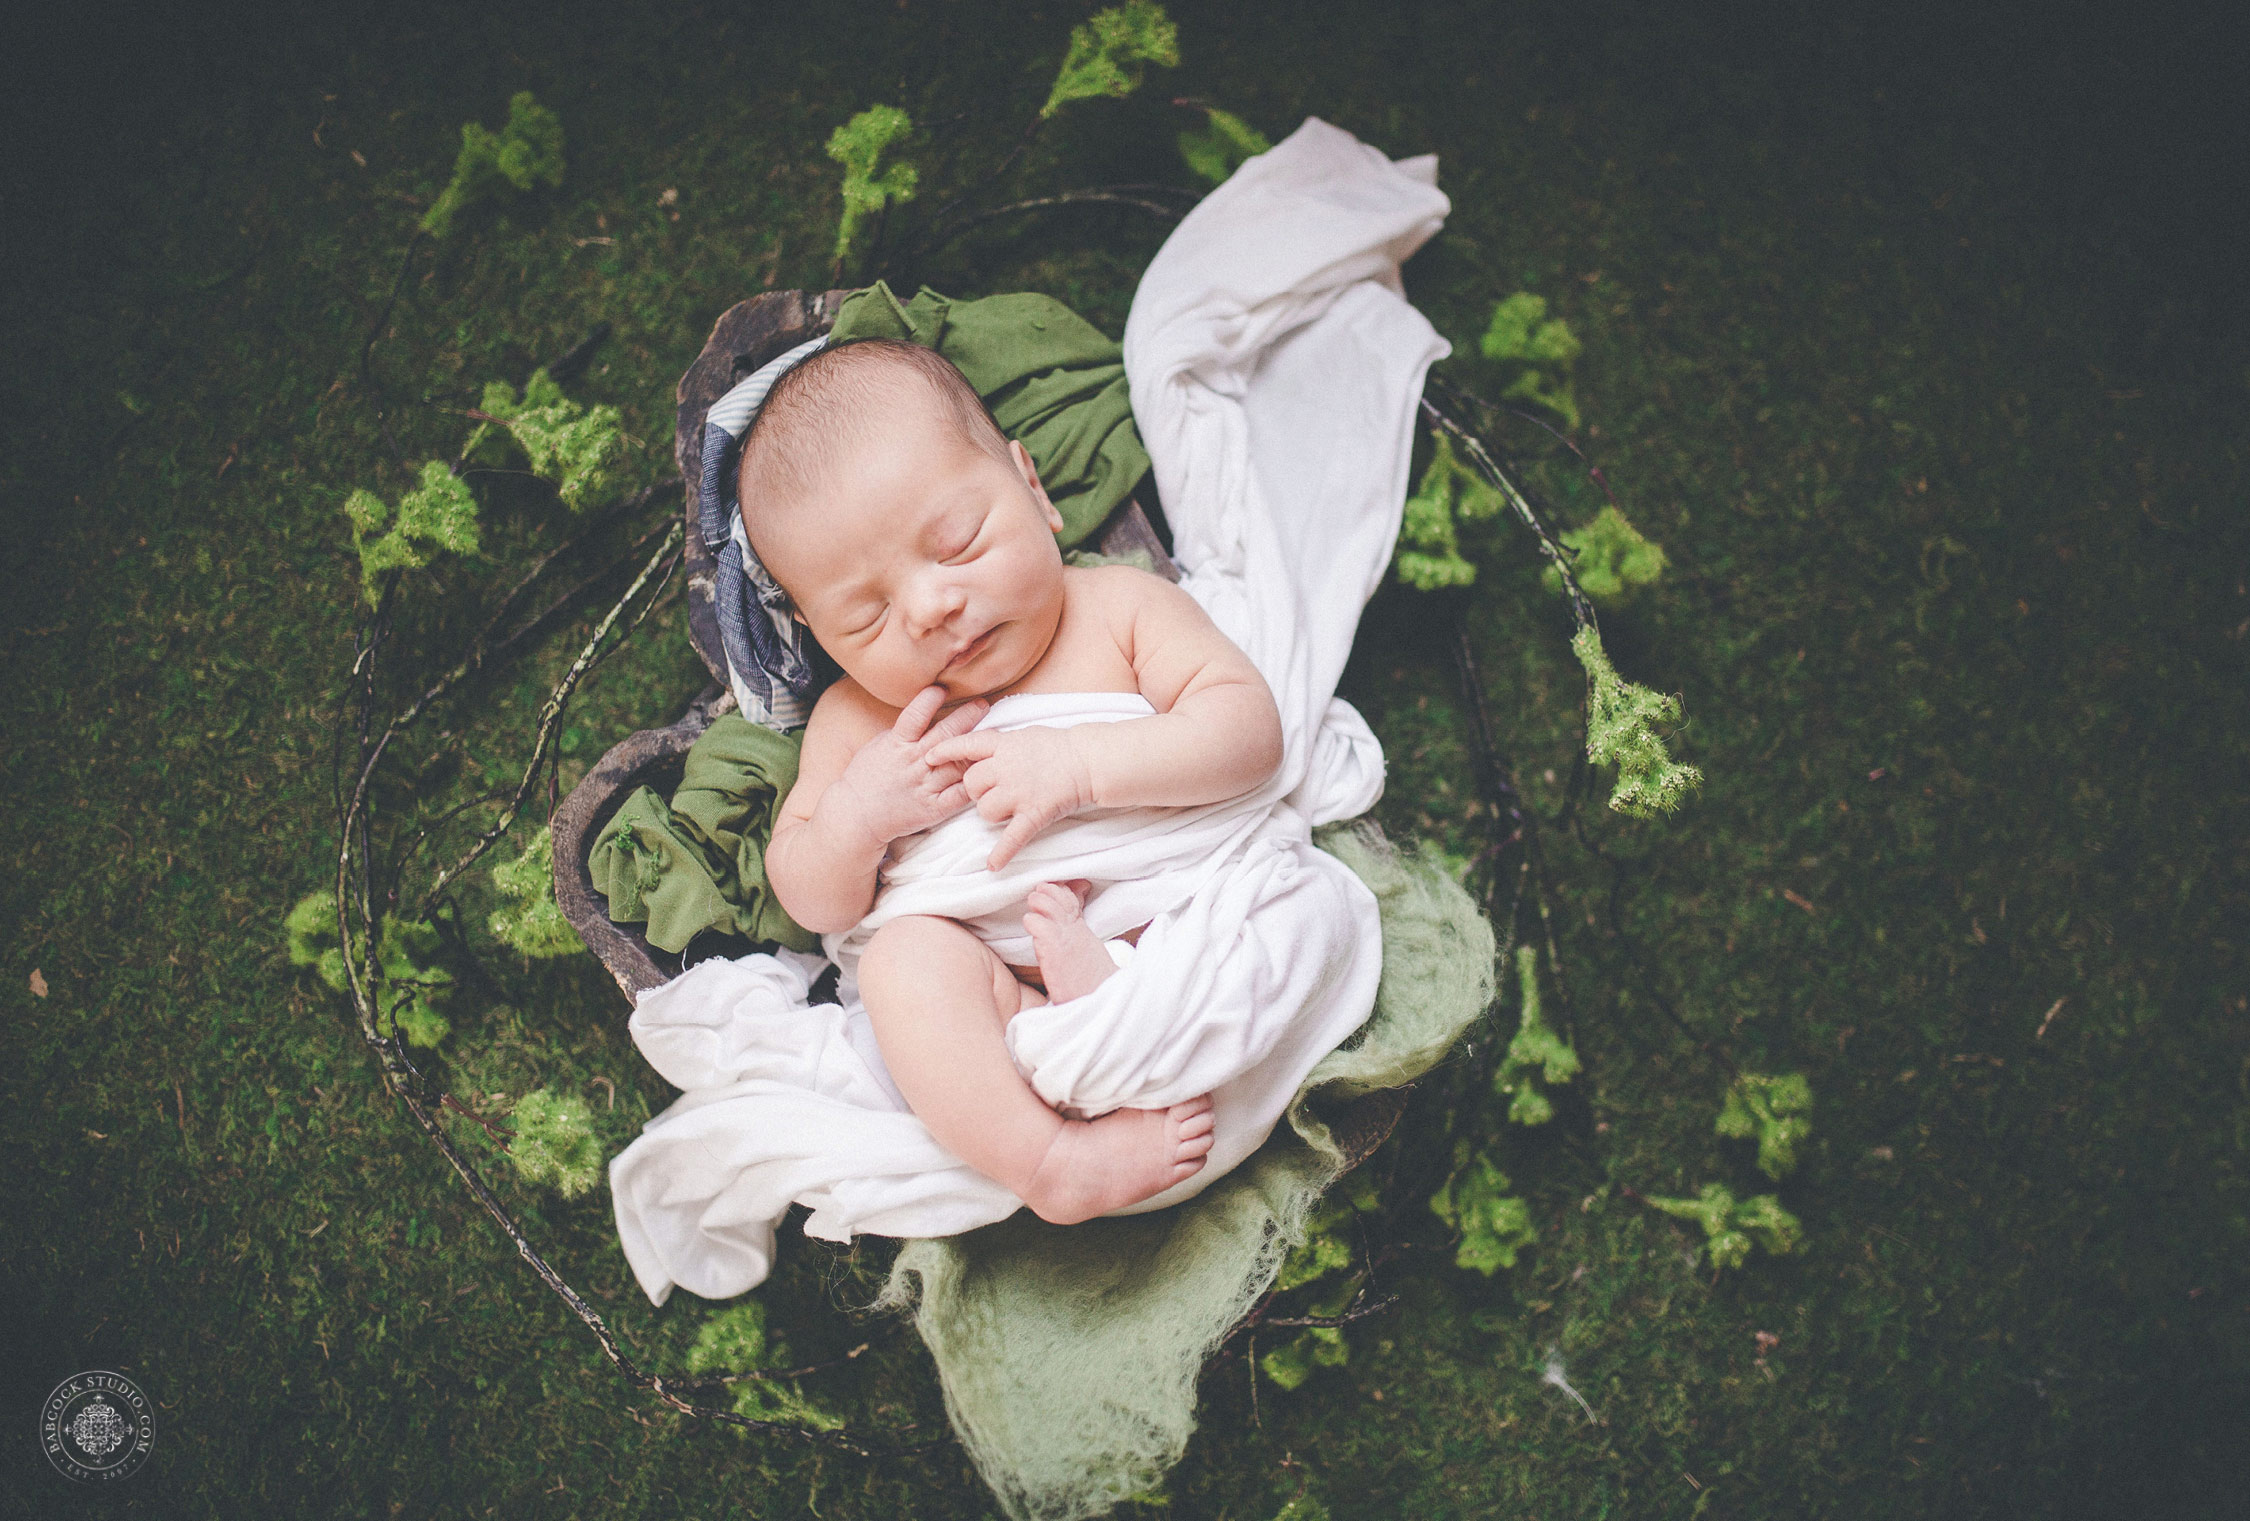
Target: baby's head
[(911, 533)]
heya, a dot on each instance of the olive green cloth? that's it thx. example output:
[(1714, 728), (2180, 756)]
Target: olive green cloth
[(1069, 1354), (699, 862), (1052, 380)]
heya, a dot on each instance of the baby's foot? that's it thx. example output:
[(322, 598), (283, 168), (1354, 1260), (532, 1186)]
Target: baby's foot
[(1071, 961), (1095, 1166)]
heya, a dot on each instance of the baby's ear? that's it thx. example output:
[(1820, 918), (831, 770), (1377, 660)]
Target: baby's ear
[(1030, 474)]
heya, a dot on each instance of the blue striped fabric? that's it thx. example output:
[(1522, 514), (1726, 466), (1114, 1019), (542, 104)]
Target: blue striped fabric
[(764, 643)]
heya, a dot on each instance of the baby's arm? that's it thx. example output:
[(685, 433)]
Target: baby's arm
[(862, 782), (1216, 733)]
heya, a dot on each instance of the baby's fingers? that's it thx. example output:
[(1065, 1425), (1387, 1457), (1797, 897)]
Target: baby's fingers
[(960, 721), (1019, 833), (916, 715), (962, 749)]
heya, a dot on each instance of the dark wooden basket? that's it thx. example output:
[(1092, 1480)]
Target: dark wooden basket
[(746, 336)]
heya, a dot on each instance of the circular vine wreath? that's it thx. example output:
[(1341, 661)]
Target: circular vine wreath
[(387, 912)]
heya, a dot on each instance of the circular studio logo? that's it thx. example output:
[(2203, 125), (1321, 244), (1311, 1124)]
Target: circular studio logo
[(97, 1426)]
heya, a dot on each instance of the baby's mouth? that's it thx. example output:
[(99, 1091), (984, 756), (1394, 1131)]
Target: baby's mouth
[(970, 651)]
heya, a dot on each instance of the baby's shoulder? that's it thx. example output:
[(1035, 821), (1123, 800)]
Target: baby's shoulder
[(847, 714), (1139, 606), (1122, 590)]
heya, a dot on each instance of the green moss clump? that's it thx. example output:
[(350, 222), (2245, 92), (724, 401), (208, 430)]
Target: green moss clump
[(1325, 1253), (311, 931), (1109, 52), (1429, 547), (1613, 560), (1774, 1109), (526, 152), (731, 1340), (1621, 732), (533, 923), (1730, 1229), (438, 516), (554, 1143), (413, 987), (1536, 1049), (1537, 351), (580, 448), (1223, 146), (858, 145), (734, 1341), (1494, 1225)]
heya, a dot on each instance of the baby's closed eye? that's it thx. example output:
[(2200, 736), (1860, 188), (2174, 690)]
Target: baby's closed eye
[(956, 543)]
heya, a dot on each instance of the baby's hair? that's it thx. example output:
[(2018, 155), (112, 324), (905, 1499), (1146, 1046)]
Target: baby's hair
[(834, 402)]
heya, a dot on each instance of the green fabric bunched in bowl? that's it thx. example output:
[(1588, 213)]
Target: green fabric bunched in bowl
[(698, 862)]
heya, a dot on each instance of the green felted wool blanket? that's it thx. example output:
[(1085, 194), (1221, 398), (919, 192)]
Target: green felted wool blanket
[(1052, 380), (1069, 1354)]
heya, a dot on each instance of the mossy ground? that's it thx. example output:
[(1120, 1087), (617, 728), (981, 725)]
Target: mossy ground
[(1937, 414)]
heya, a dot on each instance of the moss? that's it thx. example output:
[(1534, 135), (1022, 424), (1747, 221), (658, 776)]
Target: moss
[(1621, 731), (1494, 1225), (533, 923), (528, 151), (412, 987), (734, 1341), (1776, 1110), (580, 448), (438, 516), (554, 1144), (1110, 51), (1223, 146), (1611, 560), (1536, 354), (859, 145), (1730, 1229), (1535, 1051), (1429, 547)]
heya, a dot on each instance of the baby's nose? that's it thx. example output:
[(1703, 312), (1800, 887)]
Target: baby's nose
[(937, 600)]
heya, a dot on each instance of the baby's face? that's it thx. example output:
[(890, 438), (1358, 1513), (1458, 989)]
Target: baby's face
[(923, 561)]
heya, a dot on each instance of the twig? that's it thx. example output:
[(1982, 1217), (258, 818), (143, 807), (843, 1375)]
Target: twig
[(550, 715), (763, 1375), (499, 1137), (398, 284), (1356, 1312), (1104, 197), (663, 1387), (1593, 471), (1581, 609)]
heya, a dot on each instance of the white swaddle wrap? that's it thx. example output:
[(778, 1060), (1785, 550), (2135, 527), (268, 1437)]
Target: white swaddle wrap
[(1274, 365)]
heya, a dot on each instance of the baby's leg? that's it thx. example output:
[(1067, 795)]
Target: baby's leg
[(1071, 961), (940, 1002)]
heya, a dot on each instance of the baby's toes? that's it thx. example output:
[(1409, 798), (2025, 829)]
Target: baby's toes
[(1191, 1131), (1054, 901)]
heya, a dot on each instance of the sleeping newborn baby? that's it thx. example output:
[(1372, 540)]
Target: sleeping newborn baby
[(919, 548)]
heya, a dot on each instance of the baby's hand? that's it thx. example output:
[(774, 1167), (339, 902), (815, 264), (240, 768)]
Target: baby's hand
[(1026, 779), (891, 787)]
